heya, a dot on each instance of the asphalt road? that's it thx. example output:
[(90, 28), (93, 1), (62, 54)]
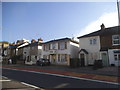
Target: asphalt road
[(51, 81)]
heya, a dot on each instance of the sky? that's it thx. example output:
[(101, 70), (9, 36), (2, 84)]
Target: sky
[(55, 20)]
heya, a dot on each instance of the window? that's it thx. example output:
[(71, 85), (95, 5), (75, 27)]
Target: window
[(53, 46), (117, 55), (90, 41), (63, 45), (116, 39), (58, 57), (93, 41), (63, 58)]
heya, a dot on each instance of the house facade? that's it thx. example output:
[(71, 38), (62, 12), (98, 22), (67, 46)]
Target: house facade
[(102, 45), (60, 51), (33, 52)]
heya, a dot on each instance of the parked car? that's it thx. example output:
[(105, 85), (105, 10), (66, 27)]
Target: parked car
[(43, 62)]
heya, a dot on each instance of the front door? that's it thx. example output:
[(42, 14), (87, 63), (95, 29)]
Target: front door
[(82, 59), (105, 59), (53, 58)]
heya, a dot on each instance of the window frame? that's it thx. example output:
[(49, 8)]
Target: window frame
[(114, 39), (117, 56)]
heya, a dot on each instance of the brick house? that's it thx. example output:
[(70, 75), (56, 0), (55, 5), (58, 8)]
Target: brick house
[(103, 44), (60, 51)]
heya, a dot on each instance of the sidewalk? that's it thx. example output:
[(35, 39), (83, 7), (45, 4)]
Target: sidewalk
[(109, 74)]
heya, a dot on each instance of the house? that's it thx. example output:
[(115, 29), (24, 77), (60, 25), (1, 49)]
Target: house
[(33, 51), (60, 51), (11, 50), (103, 44), (20, 50)]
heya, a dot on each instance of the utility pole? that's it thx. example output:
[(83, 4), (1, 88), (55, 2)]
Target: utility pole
[(118, 7)]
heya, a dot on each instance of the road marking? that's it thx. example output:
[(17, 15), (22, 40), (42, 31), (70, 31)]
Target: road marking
[(65, 76), (32, 86), (4, 77), (4, 80), (61, 85)]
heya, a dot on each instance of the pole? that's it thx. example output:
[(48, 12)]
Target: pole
[(118, 7)]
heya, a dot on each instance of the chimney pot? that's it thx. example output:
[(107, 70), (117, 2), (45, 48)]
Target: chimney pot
[(102, 26)]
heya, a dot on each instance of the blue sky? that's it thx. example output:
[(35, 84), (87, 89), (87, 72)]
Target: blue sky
[(50, 20)]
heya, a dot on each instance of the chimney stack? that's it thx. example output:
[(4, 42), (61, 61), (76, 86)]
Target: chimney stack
[(40, 40), (33, 40), (102, 26)]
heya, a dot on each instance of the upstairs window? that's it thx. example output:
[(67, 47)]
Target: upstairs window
[(116, 39), (53, 46), (93, 41), (63, 45)]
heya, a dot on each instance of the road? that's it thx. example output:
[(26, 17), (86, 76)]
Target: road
[(52, 81)]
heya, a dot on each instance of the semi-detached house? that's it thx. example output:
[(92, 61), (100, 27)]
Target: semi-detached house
[(60, 51), (102, 45)]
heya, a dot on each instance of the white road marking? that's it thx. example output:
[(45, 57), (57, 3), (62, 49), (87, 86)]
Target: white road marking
[(66, 76), (61, 85), (32, 86), (4, 80)]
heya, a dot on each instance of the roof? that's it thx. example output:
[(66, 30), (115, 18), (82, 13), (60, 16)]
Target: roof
[(32, 44), (106, 31), (62, 40), (13, 46)]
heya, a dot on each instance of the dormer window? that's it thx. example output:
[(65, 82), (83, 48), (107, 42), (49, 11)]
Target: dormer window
[(116, 39)]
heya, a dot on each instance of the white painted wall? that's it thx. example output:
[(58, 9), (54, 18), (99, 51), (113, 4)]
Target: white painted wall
[(72, 49), (93, 50), (111, 57)]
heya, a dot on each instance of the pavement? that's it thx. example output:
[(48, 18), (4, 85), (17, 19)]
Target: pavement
[(108, 74)]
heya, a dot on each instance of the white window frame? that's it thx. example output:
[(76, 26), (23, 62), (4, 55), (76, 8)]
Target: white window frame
[(93, 41), (113, 39), (117, 56)]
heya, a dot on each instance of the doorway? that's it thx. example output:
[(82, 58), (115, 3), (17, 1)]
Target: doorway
[(53, 58), (82, 60), (105, 59)]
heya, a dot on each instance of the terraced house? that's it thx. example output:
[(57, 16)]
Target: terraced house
[(33, 51), (60, 51), (103, 44)]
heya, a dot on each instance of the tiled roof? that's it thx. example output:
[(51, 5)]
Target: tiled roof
[(106, 31)]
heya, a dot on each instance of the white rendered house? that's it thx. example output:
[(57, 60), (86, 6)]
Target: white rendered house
[(60, 51)]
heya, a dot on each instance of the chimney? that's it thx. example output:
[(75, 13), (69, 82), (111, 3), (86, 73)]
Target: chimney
[(102, 26), (40, 40), (33, 40)]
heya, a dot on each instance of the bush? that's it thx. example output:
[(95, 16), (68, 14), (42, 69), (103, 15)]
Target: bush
[(74, 62), (97, 64)]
